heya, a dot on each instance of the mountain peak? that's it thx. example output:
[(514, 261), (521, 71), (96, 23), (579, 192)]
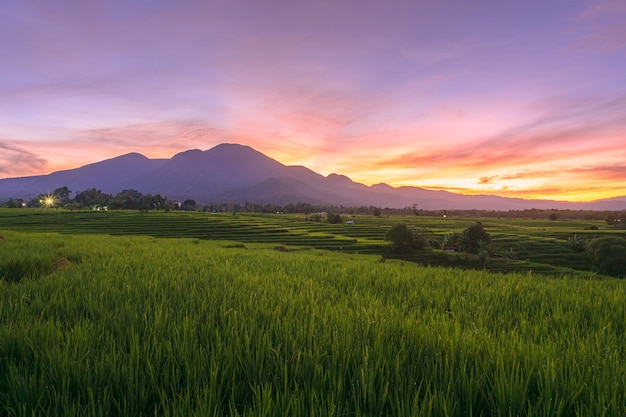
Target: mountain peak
[(121, 159), (232, 146), (381, 186), (338, 178), (235, 150), (239, 173), (189, 153)]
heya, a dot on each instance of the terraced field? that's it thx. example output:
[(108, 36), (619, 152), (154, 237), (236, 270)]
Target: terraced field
[(538, 244), (99, 325)]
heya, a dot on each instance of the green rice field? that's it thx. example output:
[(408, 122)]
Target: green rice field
[(193, 314), (539, 245)]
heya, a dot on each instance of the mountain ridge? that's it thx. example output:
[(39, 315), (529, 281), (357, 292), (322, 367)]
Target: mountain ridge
[(238, 173)]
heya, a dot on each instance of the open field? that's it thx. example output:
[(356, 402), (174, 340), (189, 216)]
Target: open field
[(95, 325), (539, 245)]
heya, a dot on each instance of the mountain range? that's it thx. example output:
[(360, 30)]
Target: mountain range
[(237, 173)]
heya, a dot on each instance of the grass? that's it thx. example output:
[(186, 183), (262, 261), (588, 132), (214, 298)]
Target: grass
[(94, 325), (539, 244)]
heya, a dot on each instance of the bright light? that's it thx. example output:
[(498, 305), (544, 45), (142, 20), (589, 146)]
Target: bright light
[(48, 200)]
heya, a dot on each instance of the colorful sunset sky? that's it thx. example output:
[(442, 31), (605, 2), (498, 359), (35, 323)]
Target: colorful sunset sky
[(514, 98)]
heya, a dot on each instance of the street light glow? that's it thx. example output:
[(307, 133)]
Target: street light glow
[(48, 200)]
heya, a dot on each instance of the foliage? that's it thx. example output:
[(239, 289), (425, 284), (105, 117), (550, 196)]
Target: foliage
[(334, 218), (315, 217), (404, 240), (451, 239), (484, 251), (128, 199), (14, 203), (189, 205), (62, 196), (609, 255), (142, 326), (539, 243), (473, 237), (576, 243), (616, 220), (509, 253), (92, 198)]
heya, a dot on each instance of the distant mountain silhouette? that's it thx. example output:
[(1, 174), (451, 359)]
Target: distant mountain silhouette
[(238, 173)]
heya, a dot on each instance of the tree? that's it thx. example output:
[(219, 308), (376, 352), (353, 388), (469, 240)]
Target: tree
[(315, 217), (14, 203), (451, 239), (610, 219), (377, 212), (62, 196), (576, 243), (128, 199), (609, 255), (334, 218), (404, 240), (92, 197), (620, 223), (473, 238), (189, 205)]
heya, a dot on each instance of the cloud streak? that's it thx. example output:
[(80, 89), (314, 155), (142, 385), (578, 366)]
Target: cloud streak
[(14, 159)]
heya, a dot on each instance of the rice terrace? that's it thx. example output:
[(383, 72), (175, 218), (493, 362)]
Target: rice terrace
[(188, 313)]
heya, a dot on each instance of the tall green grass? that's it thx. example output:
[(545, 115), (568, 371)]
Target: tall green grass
[(139, 326)]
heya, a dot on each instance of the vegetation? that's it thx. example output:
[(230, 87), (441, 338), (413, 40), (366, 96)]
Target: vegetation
[(94, 325), (517, 245), (404, 240), (474, 238), (133, 199), (576, 243), (609, 255), (334, 218)]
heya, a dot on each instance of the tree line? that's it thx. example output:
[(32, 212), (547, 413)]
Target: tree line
[(96, 199), (135, 200)]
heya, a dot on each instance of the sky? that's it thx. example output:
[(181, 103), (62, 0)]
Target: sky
[(522, 98)]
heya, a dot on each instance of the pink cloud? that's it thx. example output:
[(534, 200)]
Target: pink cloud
[(17, 161)]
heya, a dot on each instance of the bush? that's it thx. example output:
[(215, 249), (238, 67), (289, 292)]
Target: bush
[(509, 253), (473, 238), (404, 240), (576, 244), (334, 218), (609, 255)]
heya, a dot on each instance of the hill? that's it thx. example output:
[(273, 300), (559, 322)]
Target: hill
[(238, 173)]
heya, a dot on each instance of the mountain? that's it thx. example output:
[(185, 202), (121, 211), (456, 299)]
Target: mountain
[(238, 173)]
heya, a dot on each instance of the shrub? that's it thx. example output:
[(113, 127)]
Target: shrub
[(334, 218), (576, 244), (451, 239), (509, 253), (609, 255), (404, 240), (473, 238)]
